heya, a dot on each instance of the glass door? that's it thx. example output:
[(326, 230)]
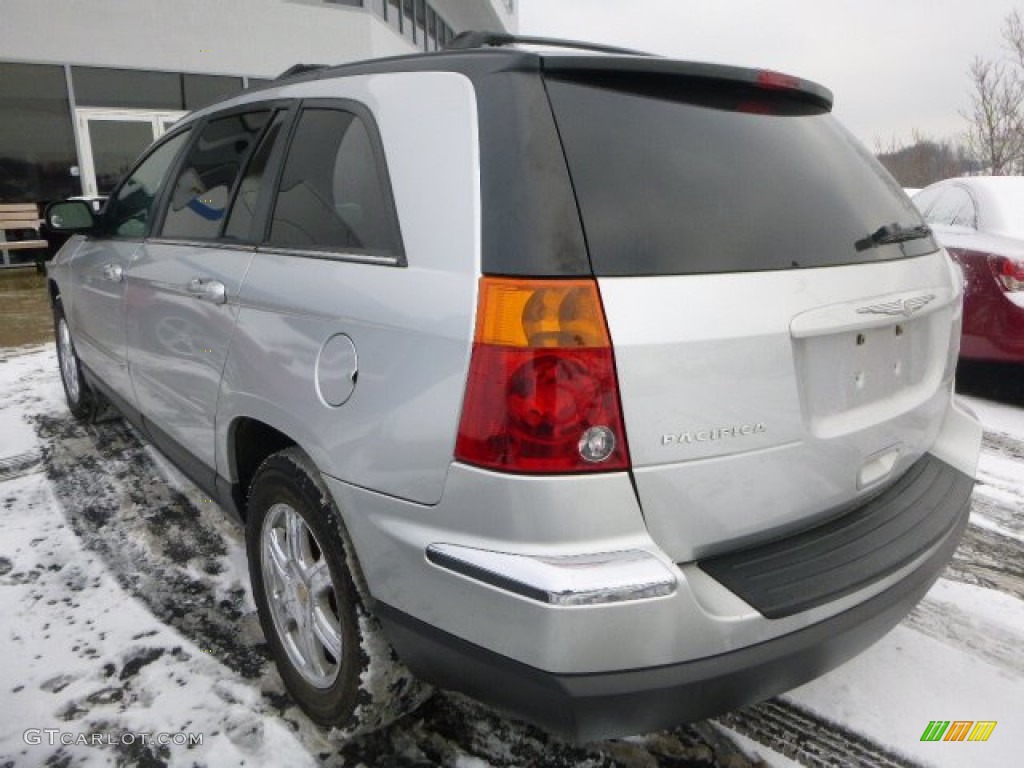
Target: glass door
[(112, 139)]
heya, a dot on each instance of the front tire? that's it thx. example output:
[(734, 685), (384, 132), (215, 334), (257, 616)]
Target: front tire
[(80, 397), (306, 582)]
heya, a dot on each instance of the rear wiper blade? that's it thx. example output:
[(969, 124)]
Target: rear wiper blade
[(892, 233)]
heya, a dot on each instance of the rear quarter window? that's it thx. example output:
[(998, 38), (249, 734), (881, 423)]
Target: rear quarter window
[(674, 176), (334, 193)]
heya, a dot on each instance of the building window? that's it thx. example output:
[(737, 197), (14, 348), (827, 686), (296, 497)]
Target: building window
[(394, 14), (128, 88), (431, 29), (408, 22), (37, 142), (140, 89), (203, 90), (444, 32), (421, 24)]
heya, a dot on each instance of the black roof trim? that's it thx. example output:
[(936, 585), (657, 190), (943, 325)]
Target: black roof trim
[(481, 39), (484, 53), (299, 69)]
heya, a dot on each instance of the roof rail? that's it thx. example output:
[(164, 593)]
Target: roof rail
[(481, 39), (299, 69)]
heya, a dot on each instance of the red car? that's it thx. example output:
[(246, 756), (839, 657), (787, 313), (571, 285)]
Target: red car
[(980, 221)]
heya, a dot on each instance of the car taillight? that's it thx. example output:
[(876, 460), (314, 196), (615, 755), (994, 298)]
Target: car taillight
[(542, 394), (1009, 272)]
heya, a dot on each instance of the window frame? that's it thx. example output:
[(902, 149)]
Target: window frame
[(265, 199), (243, 165), (356, 255), (274, 106)]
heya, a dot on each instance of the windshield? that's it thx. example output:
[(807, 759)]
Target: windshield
[(686, 177)]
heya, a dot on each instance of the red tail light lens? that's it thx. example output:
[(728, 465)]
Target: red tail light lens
[(1009, 273), (542, 395)]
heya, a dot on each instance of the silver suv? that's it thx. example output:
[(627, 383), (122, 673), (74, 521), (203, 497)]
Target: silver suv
[(611, 390)]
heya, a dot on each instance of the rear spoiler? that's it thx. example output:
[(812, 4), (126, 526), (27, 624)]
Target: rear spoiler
[(624, 61), (765, 79)]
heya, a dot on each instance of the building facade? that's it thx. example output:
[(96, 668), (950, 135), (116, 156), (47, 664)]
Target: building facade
[(86, 86)]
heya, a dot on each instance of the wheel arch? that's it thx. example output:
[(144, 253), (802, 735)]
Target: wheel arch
[(249, 442)]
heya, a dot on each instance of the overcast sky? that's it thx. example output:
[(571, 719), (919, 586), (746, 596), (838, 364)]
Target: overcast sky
[(893, 65)]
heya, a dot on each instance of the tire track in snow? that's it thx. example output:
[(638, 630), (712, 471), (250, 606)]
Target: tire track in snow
[(19, 464), (1003, 444), (809, 739), (986, 559), (971, 633), (164, 551), (154, 540)]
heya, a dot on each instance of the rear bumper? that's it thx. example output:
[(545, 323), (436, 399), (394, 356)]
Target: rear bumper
[(606, 704), (824, 563)]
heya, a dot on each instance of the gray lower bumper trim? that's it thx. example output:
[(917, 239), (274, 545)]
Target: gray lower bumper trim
[(860, 547), (608, 704)]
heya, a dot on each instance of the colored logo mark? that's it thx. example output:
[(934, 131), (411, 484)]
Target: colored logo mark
[(958, 730)]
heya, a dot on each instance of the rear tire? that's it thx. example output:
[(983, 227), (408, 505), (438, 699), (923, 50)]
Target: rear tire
[(81, 399), (329, 650)]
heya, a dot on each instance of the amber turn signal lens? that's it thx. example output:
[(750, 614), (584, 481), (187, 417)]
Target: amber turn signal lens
[(540, 313)]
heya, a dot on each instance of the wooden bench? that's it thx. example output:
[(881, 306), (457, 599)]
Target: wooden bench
[(21, 216)]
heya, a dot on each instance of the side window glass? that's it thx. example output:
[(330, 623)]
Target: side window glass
[(128, 212), (244, 208), (200, 195), (946, 208), (334, 193), (925, 200), (966, 215)]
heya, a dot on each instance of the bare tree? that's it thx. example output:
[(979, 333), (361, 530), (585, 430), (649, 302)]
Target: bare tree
[(995, 134), (924, 161), (1013, 36)]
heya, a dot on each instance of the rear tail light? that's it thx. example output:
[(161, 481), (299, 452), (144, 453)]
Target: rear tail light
[(1009, 273), (541, 395)]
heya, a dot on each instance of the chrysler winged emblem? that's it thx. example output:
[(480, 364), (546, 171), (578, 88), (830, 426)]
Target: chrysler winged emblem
[(904, 307)]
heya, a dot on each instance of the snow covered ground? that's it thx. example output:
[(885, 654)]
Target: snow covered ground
[(127, 629)]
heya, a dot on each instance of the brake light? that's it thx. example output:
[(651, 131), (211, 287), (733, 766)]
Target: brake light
[(766, 78), (542, 394), (1009, 273)]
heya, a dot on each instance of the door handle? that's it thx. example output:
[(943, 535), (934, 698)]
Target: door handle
[(113, 272), (208, 290)]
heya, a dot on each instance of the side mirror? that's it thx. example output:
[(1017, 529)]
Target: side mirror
[(70, 216)]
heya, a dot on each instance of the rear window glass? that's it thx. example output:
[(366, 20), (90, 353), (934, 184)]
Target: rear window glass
[(683, 178)]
